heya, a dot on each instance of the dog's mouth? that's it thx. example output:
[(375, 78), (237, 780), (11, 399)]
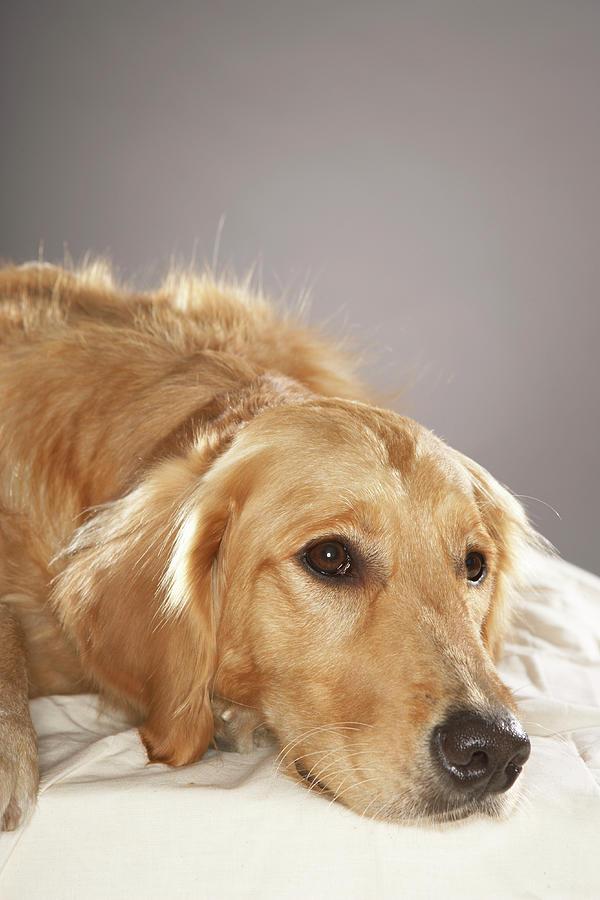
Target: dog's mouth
[(432, 812), (314, 783), (445, 810)]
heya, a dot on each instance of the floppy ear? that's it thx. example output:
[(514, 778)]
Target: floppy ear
[(140, 609), (513, 536)]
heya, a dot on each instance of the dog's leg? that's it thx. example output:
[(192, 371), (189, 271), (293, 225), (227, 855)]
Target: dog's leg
[(18, 744)]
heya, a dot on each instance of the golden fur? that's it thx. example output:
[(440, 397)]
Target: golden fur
[(165, 461)]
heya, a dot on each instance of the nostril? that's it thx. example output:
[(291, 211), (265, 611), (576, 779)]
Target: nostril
[(479, 763), (506, 776), (459, 754), (480, 753)]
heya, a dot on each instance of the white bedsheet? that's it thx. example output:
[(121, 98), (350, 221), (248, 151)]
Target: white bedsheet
[(108, 825)]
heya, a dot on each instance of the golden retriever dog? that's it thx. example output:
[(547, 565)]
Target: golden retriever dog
[(203, 518)]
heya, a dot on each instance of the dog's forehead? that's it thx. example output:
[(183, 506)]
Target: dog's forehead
[(357, 442), (402, 445), (349, 432)]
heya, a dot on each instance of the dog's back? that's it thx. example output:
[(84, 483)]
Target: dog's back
[(189, 314)]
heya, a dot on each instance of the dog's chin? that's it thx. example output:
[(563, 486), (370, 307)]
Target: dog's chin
[(439, 810), (432, 811)]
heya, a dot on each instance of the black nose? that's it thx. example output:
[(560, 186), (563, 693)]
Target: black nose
[(480, 753)]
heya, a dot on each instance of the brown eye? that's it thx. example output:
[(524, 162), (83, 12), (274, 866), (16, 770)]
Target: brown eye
[(476, 566), (329, 558)]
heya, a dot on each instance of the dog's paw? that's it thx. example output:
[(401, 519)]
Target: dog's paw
[(238, 728), (19, 776)]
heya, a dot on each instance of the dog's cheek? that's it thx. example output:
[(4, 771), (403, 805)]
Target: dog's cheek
[(494, 625)]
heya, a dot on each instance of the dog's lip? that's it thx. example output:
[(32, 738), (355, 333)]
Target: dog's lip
[(454, 814), (438, 811), (312, 781), (434, 813)]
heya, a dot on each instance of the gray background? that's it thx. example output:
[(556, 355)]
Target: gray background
[(429, 169)]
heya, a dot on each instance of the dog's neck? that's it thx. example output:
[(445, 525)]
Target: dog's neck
[(227, 413)]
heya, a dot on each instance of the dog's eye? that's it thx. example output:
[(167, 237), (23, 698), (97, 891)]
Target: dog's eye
[(329, 558), (476, 566)]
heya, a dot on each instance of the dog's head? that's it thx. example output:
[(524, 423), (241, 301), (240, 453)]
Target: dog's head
[(338, 568)]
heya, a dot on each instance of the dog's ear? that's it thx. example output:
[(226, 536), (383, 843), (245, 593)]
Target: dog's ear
[(135, 594), (513, 536)]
